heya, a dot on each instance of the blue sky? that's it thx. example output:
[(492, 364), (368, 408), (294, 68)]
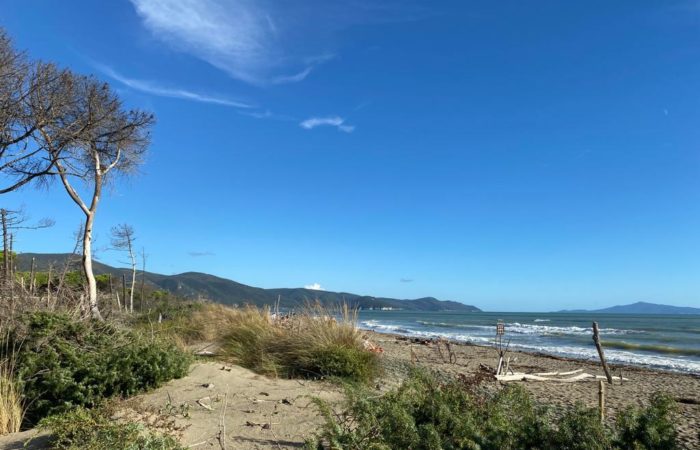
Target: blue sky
[(512, 155)]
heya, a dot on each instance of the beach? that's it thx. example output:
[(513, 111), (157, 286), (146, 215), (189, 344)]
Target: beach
[(261, 412)]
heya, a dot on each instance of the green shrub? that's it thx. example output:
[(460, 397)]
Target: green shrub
[(64, 363), (581, 429), (83, 429), (427, 414), (351, 363), (650, 428)]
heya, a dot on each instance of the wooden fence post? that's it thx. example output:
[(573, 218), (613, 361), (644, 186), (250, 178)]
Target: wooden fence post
[(596, 339)]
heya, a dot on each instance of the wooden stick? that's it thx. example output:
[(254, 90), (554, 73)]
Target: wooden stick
[(601, 400), (596, 339)]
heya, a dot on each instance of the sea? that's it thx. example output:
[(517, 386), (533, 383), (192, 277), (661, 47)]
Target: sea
[(668, 342)]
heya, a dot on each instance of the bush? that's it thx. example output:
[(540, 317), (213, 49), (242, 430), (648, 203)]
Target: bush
[(64, 363), (425, 413), (83, 429), (648, 428), (581, 429), (311, 344)]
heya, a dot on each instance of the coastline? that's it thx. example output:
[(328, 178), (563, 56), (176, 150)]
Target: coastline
[(640, 384)]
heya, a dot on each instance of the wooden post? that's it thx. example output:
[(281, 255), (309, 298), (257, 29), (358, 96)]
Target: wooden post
[(596, 339), (601, 400), (32, 274), (48, 288), (124, 289)]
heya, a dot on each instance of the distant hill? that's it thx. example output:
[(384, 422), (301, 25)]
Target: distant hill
[(195, 285), (642, 308)]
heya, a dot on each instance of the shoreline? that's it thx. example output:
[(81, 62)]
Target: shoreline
[(662, 362), (553, 356)]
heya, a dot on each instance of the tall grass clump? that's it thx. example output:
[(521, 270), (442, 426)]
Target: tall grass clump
[(63, 363), (425, 413), (314, 343), (11, 402), (191, 323)]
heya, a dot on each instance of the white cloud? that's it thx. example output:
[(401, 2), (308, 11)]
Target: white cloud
[(333, 121), (264, 42), (239, 37), (153, 88), (314, 287)]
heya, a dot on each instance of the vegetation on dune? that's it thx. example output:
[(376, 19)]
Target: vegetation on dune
[(84, 429), (11, 402), (426, 413), (313, 344), (63, 363)]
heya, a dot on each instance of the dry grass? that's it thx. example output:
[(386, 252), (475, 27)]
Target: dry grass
[(207, 323), (316, 342), (11, 404)]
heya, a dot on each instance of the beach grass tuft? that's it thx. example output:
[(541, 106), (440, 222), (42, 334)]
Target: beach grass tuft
[(11, 401), (316, 342)]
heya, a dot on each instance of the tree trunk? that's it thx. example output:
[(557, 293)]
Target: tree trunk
[(87, 267), (133, 279), (5, 247)]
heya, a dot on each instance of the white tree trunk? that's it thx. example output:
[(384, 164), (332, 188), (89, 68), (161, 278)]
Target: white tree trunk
[(87, 267), (133, 278)]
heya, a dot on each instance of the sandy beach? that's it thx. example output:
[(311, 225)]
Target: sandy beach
[(258, 412)]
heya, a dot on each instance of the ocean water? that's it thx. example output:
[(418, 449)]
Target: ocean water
[(670, 342)]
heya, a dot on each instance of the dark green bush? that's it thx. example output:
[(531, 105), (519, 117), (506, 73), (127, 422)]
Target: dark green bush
[(425, 413), (64, 363), (648, 428), (83, 429), (581, 429), (351, 363)]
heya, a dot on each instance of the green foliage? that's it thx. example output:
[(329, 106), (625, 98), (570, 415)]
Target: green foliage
[(649, 428), (581, 429), (83, 429), (427, 414), (335, 360), (64, 363), (13, 256)]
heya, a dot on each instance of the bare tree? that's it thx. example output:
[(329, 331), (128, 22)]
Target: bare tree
[(33, 96), (56, 123), (123, 239), (112, 141)]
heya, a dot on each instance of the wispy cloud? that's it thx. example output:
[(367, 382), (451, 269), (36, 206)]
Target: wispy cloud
[(200, 254), (263, 42), (314, 287), (333, 121), (153, 88), (240, 37)]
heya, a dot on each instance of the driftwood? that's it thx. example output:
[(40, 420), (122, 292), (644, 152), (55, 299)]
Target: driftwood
[(596, 339), (578, 375)]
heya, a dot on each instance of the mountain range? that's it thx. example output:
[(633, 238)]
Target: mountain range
[(641, 308), (196, 285)]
